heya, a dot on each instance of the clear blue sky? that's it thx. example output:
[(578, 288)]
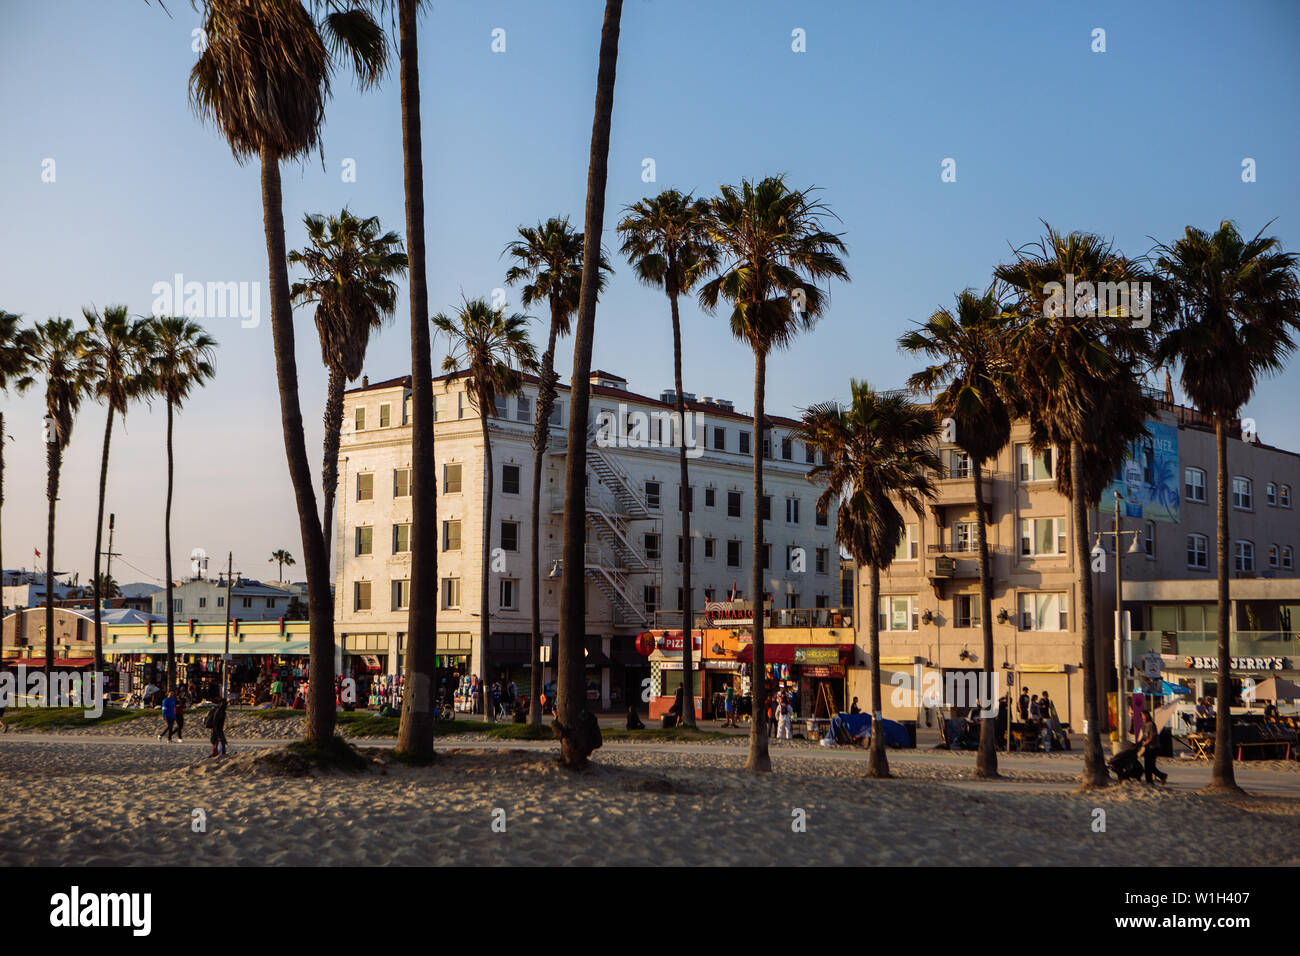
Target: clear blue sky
[(1134, 143)]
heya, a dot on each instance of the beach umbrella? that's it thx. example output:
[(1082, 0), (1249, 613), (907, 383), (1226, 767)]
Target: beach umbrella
[(1173, 690), (1168, 713), (1276, 688)]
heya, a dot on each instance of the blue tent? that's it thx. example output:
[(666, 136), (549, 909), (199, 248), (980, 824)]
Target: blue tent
[(859, 725)]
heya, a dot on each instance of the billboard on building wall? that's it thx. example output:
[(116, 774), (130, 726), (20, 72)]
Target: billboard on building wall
[(1149, 478)]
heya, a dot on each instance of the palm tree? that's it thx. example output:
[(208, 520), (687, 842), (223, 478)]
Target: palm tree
[(281, 557), (493, 347), (549, 260), (58, 355), (118, 349), (180, 362), (772, 251), (971, 377), (1234, 309), (576, 744), (15, 358), (876, 451), (349, 265), (666, 241), (263, 79), (104, 586), (1079, 381)]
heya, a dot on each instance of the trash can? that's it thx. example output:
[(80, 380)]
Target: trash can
[(910, 727)]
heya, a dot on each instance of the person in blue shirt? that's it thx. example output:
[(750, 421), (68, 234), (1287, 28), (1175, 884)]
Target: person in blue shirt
[(169, 713)]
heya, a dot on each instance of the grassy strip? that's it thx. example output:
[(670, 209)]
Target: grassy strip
[(671, 733), (519, 732), (70, 718)]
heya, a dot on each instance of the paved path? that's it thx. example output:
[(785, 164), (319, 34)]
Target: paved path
[(1184, 775)]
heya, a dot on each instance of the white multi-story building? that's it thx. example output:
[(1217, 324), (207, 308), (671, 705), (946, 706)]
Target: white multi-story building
[(633, 548)]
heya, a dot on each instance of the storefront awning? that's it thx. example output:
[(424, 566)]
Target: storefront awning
[(40, 661), (184, 649), (799, 654)]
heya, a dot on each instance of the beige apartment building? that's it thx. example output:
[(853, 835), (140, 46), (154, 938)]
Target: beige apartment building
[(633, 547), (929, 607)]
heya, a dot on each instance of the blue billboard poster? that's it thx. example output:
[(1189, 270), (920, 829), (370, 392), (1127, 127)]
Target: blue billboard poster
[(1149, 478)]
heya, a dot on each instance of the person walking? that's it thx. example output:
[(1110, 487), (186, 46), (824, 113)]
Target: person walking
[(729, 707), (169, 714), (786, 718), (1147, 749), (1050, 722), (179, 710), (1024, 705), (217, 724)]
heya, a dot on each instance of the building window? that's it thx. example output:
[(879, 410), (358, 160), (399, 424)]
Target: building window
[(221, 602), (1198, 551), (1272, 555), (710, 548), (719, 439), (793, 555), (1288, 557), (821, 518), (248, 602), (523, 410), (1243, 558), (1243, 497), (708, 595), (1284, 496), (365, 487), (1044, 612), (898, 612), (791, 601), (203, 602), (510, 536), (650, 595), (960, 465), (964, 536), (710, 497), (451, 592), (406, 410), (1149, 539), (652, 549), (401, 595), (361, 418), (792, 511), (766, 507), (401, 538), (822, 600), (451, 536), (787, 449), (733, 553), (1042, 536), (908, 547), (1032, 465), (681, 550), (1194, 483), (510, 479), (652, 495), (823, 560), (966, 610), (744, 443), (365, 540), (1270, 494), (401, 482), (385, 415), (767, 557), (501, 406), (509, 594), (176, 604), (689, 494), (733, 504), (451, 479), (361, 596), (557, 414)]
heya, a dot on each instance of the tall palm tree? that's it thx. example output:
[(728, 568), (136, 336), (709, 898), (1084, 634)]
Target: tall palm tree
[(180, 362), (104, 586), (1078, 380), (15, 358), (877, 452), (772, 250), (1234, 309), (281, 557), (548, 260), (349, 277), (118, 348), (494, 348), (666, 240), (971, 376), (576, 744), (263, 79), (57, 355)]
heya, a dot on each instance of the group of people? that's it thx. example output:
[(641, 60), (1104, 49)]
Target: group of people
[(174, 705), (1038, 711)]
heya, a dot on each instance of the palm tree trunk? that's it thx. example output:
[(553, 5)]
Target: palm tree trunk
[(541, 435), (320, 616), (877, 758), (1222, 775), (986, 762), (571, 692), (1095, 773), (415, 731), (330, 466), (54, 461), (688, 662), (167, 560), (99, 543), (758, 760), (484, 608)]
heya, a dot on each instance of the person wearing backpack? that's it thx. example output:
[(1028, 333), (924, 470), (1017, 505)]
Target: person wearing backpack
[(169, 714), (217, 723)]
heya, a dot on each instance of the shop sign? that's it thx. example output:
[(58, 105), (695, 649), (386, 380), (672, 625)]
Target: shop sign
[(1151, 664), (1239, 663), (833, 670), (729, 612), (671, 642), (817, 656)]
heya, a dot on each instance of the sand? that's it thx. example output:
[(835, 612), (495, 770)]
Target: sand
[(96, 802)]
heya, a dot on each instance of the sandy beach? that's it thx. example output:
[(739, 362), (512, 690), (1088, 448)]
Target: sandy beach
[(122, 802)]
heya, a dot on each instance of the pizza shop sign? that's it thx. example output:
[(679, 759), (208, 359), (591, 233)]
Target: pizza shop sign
[(1238, 663)]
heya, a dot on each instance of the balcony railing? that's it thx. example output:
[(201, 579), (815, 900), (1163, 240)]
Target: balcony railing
[(1206, 643), (823, 617)]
